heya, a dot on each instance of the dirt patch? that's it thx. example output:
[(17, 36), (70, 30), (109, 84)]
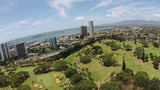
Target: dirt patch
[(38, 86), (55, 75), (57, 79), (35, 85)]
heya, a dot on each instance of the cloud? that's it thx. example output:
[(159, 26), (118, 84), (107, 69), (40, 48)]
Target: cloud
[(102, 4), (79, 18), (114, 14), (22, 22), (156, 15), (1, 30), (37, 22), (139, 10), (62, 5)]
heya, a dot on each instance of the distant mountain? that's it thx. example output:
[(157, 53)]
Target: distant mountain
[(135, 23)]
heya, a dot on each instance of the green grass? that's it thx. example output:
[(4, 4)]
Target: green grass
[(48, 80), (99, 73)]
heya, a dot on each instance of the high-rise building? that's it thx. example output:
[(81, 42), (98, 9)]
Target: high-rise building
[(53, 42), (21, 50), (91, 29), (83, 31), (4, 51)]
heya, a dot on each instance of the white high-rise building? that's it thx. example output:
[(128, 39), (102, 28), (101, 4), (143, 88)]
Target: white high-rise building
[(91, 29), (53, 42), (4, 51)]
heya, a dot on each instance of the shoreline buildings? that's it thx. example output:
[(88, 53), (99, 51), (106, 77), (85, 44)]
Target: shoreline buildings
[(53, 42), (91, 29), (4, 51), (83, 31), (21, 50)]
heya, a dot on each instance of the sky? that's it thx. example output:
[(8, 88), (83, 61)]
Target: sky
[(20, 18)]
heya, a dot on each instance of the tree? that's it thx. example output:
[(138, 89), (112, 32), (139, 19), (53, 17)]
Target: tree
[(154, 84), (155, 64), (85, 85), (145, 44), (128, 48), (143, 56), (135, 41), (114, 60), (41, 69), (124, 77), (139, 52), (151, 56), (123, 64), (60, 66), (24, 87), (110, 86), (124, 44), (4, 81), (146, 58), (141, 78), (19, 78), (76, 78), (70, 72), (85, 59), (155, 44)]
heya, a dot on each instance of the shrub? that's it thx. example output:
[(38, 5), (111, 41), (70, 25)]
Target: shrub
[(85, 59), (69, 72), (60, 66)]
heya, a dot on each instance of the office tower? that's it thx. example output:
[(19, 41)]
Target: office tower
[(91, 29), (53, 42), (21, 50), (83, 31), (4, 51)]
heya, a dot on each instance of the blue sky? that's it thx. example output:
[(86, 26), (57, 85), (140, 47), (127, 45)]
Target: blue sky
[(19, 18)]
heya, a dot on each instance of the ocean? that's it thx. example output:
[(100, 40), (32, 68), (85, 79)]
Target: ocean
[(58, 34)]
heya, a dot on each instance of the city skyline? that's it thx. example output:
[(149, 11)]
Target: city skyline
[(39, 16)]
